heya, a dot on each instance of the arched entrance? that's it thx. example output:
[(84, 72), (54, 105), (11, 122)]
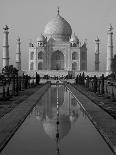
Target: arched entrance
[(32, 66), (40, 66), (57, 60), (74, 56), (40, 55)]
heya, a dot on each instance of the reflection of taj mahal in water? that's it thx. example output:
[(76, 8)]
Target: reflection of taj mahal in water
[(57, 49), (46, 111)]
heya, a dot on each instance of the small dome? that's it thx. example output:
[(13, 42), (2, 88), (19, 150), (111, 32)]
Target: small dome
[(59, 28), (5, 27), (41, 38), (74, 38)]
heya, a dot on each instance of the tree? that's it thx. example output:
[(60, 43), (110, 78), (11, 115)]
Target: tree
[(3, 80), (9, 73), (7, 70)]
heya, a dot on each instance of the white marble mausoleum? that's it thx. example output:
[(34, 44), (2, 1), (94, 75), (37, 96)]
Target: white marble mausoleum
[(57, 49)]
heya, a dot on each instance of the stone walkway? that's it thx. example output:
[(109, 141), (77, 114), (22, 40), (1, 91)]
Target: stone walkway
[(8, 105), (105, 102), (10, 122), (104, 123)]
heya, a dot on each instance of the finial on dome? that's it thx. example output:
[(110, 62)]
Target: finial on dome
[(58, 10)]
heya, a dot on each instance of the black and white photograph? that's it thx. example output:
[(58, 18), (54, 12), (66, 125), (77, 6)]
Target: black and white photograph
[(57, 77)]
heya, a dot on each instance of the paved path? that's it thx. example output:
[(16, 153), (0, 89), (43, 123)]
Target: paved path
[(105, 101), (104, 123), (12, 121)]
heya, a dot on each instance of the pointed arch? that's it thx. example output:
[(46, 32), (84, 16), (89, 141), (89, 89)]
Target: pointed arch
[(40, 66), (31, 66), (40, 55), (74, 56), (32, 55), (57, 60)]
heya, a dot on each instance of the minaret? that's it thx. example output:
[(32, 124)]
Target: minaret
[(18, 55), (5, 46), (109, 50), (97, 55)]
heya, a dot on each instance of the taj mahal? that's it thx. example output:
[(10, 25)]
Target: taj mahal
[(57, 49)]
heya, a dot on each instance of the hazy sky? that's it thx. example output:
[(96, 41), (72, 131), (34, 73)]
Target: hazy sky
[(27, 18)]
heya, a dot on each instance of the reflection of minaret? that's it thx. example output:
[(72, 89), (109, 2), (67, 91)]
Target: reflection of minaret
[(5, 46), (57, 128), (66, 104), (18, 55), (109, 49), (97, 55)]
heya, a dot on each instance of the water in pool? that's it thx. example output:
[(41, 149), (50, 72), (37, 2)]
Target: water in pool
[(57, 125)]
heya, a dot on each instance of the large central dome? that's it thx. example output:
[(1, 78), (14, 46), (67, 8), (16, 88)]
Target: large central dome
[(58, 28)]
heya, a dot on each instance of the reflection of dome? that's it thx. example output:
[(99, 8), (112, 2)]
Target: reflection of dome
[(41, 38), (58, 28), (50, 127)]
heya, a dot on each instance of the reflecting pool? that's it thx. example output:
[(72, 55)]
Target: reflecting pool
[(57, 126)]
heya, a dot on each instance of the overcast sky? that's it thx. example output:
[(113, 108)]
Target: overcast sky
[(27, 18)]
